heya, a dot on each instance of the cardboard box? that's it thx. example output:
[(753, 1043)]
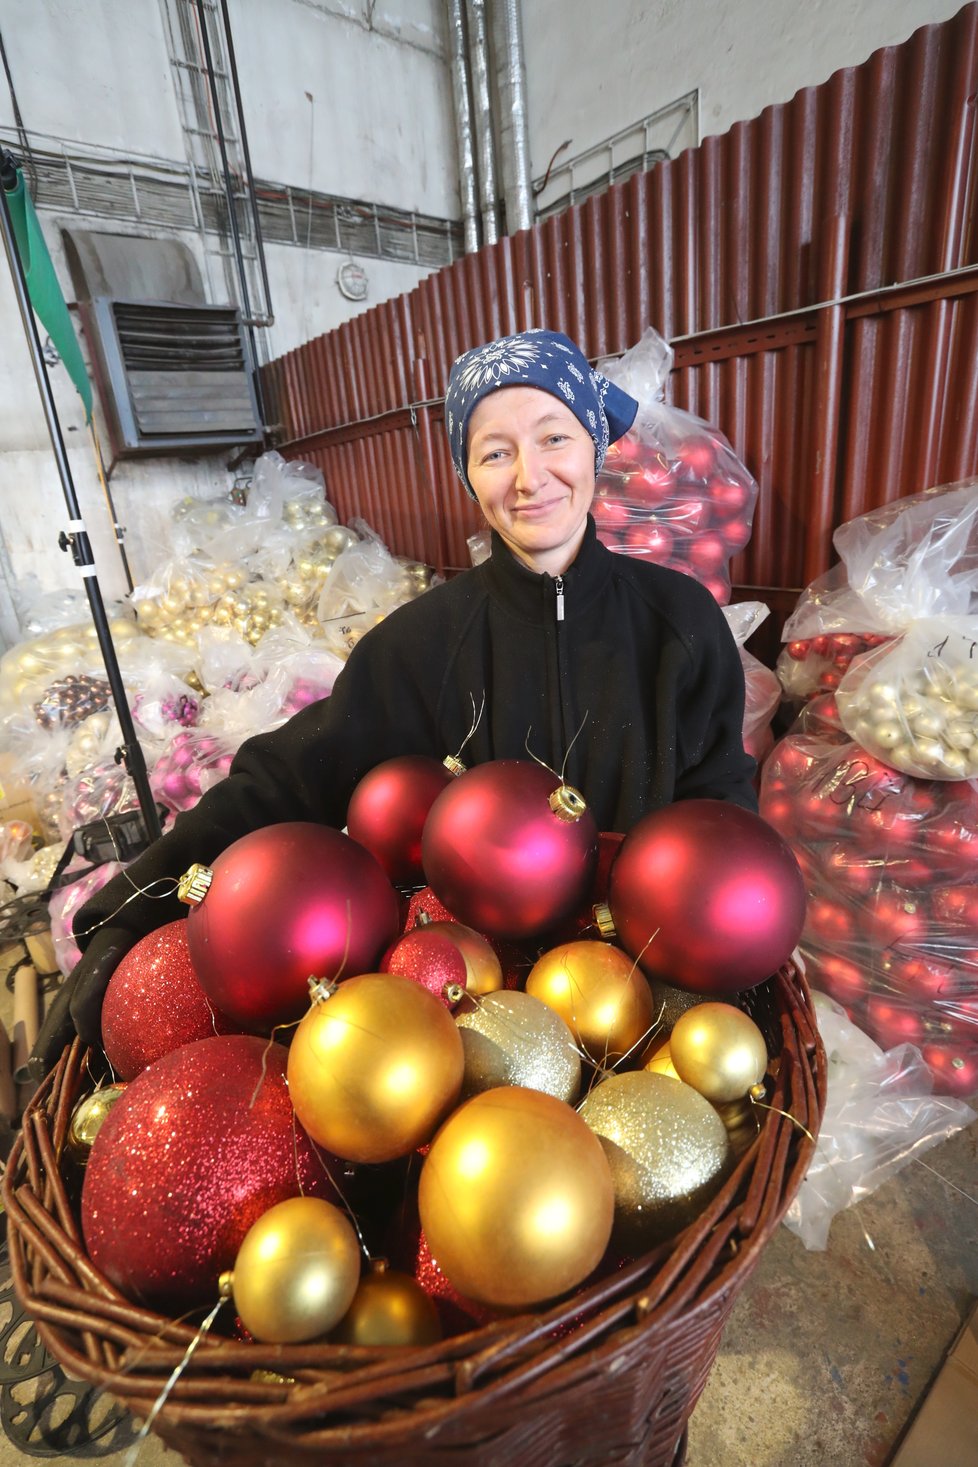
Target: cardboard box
[(944, 1432)]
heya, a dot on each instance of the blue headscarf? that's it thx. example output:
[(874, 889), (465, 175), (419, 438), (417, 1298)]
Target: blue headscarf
[(546, 360)]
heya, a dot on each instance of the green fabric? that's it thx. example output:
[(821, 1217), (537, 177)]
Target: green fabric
[(44, 290)]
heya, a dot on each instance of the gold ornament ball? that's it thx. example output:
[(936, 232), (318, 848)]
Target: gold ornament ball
[(719, 1050), (516, 1198), (483, 970), (658, 1058), (669, 1002), (389, 1308), (87, 1119), (375, 1067), (296, 1272), (601, 995), (514, 1039), (667, 1148)]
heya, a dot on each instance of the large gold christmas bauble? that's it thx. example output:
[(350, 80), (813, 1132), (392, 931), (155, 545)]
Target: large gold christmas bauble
[(375, 1067), (516, 1198), (483, 970), (719, 1050), (389, 1308), (667, 1149), (296, 1272), (514, 1039), (601, 995)]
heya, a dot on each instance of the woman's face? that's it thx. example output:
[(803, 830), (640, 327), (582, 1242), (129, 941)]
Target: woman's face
[(531, 464)]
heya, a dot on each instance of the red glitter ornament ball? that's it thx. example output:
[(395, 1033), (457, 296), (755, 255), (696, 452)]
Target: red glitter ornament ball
[(388, 809), (154, 1003), (507, 850), (707, 896), (284, 903), (428, 958), (196, 1149)]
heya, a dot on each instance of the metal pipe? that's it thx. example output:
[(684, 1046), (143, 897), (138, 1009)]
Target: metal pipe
[(513, 130), (458, 61), (77, 537), (479, 51), (249, 321)]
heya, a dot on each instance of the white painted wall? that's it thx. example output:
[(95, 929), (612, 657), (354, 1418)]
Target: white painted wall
[(594, 70)]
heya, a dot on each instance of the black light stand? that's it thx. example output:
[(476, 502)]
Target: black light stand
[(75, 538)]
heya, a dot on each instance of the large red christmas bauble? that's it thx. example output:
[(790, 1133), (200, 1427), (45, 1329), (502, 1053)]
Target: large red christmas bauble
[(707, 896), (286, 903), (194, 1151), (154, 1003), (389, 807), (508, 849)]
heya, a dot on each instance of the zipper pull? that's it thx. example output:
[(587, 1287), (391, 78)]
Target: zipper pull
[(559, 585)]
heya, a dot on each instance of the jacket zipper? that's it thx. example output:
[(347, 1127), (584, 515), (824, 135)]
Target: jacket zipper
[(559, 586)]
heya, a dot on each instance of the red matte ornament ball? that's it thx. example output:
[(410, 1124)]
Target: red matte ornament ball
[(154, 1003), (707, 896), (500, 858), (388, 809), (195, 1150), (285, 903)]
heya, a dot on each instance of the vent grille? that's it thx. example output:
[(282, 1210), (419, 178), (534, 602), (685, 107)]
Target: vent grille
[(179, 376)]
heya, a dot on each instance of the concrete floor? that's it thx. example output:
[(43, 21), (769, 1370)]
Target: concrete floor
[(826, 1355)]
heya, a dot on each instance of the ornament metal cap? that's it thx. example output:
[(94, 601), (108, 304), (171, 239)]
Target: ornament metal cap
[(225, 1284), (454, 765), (194, 885), (604, 921), (567, 803)]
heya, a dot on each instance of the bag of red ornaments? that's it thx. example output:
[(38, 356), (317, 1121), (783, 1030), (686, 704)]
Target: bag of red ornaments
[(914, 559), (672, 490), (891, 867)]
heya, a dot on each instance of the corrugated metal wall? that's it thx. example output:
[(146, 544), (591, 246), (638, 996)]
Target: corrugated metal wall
[(816, 270)]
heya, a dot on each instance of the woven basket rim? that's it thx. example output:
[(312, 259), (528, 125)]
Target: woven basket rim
[(360, 1399)]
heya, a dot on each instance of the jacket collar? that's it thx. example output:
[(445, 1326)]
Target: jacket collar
[(528, 593)]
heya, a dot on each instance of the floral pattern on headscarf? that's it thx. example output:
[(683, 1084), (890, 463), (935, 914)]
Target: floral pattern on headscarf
[(543, 359)]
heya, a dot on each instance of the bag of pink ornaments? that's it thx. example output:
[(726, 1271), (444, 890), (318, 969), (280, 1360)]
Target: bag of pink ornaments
[(672, 490), (193, 762)]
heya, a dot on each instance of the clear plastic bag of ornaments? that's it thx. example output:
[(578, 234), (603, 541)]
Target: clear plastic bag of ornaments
[(299, 560), (101, 789), (762, 688), (183, 593), (908, 561), (914, 702), (880, 1114), (59, 677), (298, 664), (67, 901), (290, 492), (891, 869), (192, 762), (672, 490), (365, 585)]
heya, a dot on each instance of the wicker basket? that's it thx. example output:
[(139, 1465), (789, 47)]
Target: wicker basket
[(610, 1376)]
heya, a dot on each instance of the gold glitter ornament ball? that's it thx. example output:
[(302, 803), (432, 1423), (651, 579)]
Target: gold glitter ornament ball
[(296, 1272), (87, 1120), (600, 994), (719, 1050), (516, 1199), (514, 1039), (375, 1067), (389, 1308), (667, 1149)]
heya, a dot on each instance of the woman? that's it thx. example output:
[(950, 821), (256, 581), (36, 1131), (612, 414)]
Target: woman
[(621, 674)]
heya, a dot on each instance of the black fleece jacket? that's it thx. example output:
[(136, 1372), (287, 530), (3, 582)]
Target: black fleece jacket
[(627, 670)]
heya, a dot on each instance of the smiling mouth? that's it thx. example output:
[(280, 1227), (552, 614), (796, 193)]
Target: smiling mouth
[(536, 507)]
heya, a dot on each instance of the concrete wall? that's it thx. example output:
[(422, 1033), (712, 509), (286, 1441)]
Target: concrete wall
[(594, 70)]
